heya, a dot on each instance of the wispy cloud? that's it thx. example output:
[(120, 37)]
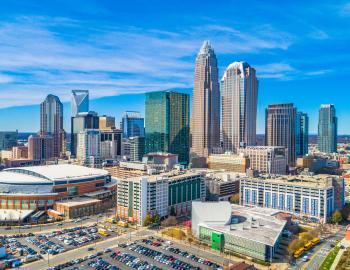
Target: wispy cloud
[(58, 54), (318, 72), (344, 10), (281, 71)]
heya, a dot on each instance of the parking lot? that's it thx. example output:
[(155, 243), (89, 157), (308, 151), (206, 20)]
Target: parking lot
[(28, 247), (145, 254)]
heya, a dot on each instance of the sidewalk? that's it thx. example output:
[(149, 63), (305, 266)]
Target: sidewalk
[(346, 244)]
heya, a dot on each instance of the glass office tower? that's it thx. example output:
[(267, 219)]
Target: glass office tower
[(167, 123), (327, 129)]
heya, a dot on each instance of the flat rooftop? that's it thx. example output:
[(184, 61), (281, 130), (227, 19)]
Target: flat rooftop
[(252, 223), (172, 175), (315, 181), (78, 202)]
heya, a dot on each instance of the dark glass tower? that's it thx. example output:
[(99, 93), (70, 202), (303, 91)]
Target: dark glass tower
[(167, 123), (327, 129)]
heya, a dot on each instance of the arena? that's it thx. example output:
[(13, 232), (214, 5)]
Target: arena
[(38, 187)]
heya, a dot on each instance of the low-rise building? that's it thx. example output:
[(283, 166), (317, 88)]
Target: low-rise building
[(78, 207), (248, 231), (220, 186), (305, 196), (228, 162)]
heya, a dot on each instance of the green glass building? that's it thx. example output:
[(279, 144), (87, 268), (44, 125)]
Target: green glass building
[(167, 123)]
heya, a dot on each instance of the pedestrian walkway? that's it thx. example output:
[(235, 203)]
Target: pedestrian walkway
[(346, 244)]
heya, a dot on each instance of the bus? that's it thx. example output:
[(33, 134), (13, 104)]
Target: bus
[(299, 252), (103, 232), (315, 241), (122, 224), (110, 220), (308, 245)]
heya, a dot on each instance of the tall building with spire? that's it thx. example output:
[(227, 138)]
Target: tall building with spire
[(280, 128), (80, 101), (205, 119), (239, 89), (327, 129), (51, 123)]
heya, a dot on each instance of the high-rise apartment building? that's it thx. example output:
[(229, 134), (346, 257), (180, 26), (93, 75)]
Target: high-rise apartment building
[(132, 124), (301, 134), (8, 139), (51, 123), (205, 119), (239, 89), (106, 122), (167, 123), (158, 194), (327, 129), (80, 122), (89, 147), (137, 148), (80, 101), (40, 147), (280, 128)]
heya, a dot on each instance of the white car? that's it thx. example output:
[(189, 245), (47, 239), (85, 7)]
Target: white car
[(305, 258)]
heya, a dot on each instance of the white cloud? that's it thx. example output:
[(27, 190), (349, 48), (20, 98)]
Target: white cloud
[(5, 79), (58, 54), (318, 72), (281, 71)]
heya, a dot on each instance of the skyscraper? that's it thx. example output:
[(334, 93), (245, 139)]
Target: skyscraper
[(239, 88), (167, 123), (51, 123), (8, 139), (111, 143), (301, 134), (132, 124), (327, 129), (81, 121), (137, 148), (280, 128), (205, 119), (106, 122), (40, 147), (80, 101)]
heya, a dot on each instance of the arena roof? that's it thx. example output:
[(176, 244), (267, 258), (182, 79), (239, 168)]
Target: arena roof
[(49, 174)]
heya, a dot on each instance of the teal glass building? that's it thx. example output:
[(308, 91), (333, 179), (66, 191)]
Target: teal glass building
[(327, 129), (167, 123)]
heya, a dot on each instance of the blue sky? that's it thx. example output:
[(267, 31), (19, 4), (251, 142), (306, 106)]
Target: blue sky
[(300, 50)]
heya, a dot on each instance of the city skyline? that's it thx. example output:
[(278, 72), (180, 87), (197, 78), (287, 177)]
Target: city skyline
[(273, 49)]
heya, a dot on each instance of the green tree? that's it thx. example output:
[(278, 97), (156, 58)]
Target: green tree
[(235, 198), (148, 220), (172, 211), (337, 217), (295, 245), (156, 219)]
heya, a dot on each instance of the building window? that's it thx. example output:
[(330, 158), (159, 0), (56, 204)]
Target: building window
[(274, 200), (281, 201), (306, 205), (290, 203), (254, 192), (267, 199), (314, 207), (247, 195)]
